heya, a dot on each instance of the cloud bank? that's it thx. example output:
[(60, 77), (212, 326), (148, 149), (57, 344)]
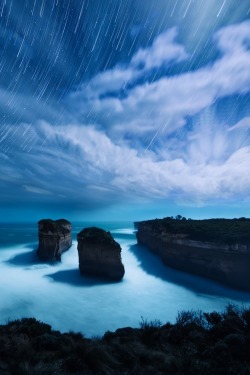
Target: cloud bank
[(131, 139)]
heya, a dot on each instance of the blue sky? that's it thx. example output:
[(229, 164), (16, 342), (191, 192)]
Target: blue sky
[(114, 109)]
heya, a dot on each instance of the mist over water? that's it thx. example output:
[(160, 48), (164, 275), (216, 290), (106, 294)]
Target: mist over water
[(58, 295)]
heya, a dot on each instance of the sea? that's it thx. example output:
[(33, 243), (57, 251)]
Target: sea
[(57, 294)]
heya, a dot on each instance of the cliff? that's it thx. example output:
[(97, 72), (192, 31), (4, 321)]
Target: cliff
[(54, 238), (223, 255), (99, 254)]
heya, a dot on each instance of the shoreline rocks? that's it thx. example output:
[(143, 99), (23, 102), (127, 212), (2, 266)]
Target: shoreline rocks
[(54, 239), (99, 254)]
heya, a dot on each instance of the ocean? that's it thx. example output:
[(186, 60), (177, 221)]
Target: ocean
[(58, 295)]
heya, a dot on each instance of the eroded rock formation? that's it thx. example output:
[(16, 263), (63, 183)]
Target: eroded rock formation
[(54, 238), (99, 254), (228, 263)]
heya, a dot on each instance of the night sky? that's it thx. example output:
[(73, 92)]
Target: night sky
[(124, 109)]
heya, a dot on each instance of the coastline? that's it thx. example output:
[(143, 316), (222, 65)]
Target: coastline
[(223, 257), (59, 295)]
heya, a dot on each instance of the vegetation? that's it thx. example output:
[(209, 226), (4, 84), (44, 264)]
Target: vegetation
[(96, 234), (198, 343), (228, 231)]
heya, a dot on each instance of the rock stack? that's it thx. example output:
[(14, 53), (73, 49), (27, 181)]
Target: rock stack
[(99, 254), (54, 238)]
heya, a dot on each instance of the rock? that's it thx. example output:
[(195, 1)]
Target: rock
[(217, 260), (99, 254), (54, 238)]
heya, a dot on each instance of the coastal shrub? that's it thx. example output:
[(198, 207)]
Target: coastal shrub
[(70, 346), (150, 331), (235, 340), (246, 317), (98, 358), (160, 360), (74, 364), (199, 343), (171, 365), (236, 344), (229, 324), (108, 336), (127, 355), (221, 351), (25, 368), (191, 319), (29, 326), (25, 352), (212, 318), (145, 324), (78, 336), (175, 335), (121, 336), (47, 342), (149, 358)]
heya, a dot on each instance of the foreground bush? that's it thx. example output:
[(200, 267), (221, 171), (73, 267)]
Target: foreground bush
[(198, 343)]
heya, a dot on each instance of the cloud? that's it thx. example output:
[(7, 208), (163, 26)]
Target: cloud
[(233, 39), (129, 140), (163, 52), (144, 108), (81, 166), (242, 124)]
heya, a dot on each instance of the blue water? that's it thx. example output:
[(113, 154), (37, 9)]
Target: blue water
[(58, 295)]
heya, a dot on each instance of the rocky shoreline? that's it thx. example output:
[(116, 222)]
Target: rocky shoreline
[(221, 256)]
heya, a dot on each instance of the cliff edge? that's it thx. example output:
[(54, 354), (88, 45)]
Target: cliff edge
[(217, 248), (99, 254), (54, 238)]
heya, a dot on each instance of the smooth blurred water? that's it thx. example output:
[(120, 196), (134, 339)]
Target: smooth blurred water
[(58, 295)]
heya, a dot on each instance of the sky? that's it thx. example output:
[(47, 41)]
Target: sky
[(123, 109)]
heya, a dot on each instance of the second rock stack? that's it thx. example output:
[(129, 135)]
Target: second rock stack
[(99, 254)]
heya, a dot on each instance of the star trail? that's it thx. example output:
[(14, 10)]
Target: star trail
[(117, 103)]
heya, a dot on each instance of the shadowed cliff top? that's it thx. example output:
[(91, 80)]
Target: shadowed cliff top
[(95, 234), (228, 231), (54, 226)]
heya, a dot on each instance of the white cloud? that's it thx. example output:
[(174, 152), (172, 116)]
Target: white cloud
[(35, 190), (163, 50), (242, 124), (104, 162), (90, 167), (234, 39), (165, 103)]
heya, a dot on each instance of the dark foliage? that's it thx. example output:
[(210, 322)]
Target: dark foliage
[(228, 231), (198, 343)]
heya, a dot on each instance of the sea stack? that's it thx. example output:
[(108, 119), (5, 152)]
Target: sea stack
[(54, 238), (99, 254)]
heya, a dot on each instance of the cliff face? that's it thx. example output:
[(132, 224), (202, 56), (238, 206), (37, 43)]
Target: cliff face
[(99, 254), (54, 238), (226, 263)]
